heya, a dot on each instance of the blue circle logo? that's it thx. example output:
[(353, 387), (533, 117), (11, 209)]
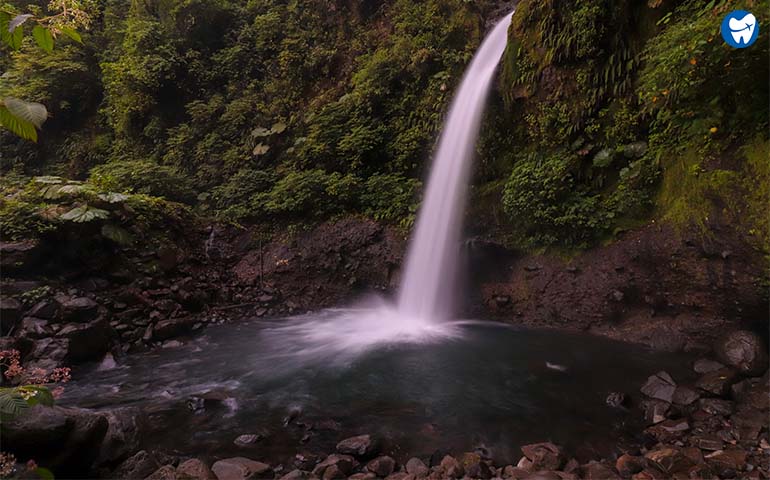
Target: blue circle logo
[(740, 29)]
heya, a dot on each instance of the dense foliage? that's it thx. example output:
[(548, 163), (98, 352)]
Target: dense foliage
[(301, 110)]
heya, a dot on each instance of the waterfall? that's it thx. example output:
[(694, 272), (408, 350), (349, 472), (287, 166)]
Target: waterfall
[(429, 276)]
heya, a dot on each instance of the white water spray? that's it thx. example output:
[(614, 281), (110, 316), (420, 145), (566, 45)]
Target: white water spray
[(429, 277)]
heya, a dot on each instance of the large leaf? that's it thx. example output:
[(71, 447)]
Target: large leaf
[(43, 38), (112, 197), (84, 214), (31, 112), (70, 32), (18, 21), (37, 394), (261, 149), (12, 404), (279, 127), (16, 125), (261, 132), (8, 36)]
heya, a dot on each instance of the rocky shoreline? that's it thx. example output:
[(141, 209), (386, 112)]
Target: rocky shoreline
[(715, 427)]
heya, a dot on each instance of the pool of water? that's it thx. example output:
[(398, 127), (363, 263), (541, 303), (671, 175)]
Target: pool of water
[(303, 383)]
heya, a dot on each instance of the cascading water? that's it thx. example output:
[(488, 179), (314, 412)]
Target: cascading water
[(428, 280)]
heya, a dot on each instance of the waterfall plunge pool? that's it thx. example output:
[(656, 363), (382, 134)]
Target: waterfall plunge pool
[(302, 384)]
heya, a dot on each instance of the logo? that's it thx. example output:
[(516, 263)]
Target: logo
[(740, 29)]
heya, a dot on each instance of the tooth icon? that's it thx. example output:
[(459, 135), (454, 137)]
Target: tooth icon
[(742, 30)]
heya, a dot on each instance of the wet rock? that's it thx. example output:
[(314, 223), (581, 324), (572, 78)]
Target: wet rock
[(668, 460), (616, 399), (194, 469), (383, 466), (684, 396), (35, 328), (10, 314), (122, 437), (627, 465), (597, 471), (343, 463), (655, 411), (704, 365), (417, 467), (174, 327), (716, 406), (660, 386), (362, 476), (140, 465), (240, 468), (89, 341), (166, 472), (66, 440), (717, 382), (743, 350), (248, 439), (360, 445), (451, 467), (723, 461), (77, 309), (45, 309), (544, 456), (294, 475)]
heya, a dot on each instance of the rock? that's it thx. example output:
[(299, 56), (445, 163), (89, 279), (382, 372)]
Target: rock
[(305, 461), (361, 445), (66, 440), (616, 399), (717, 382), (399, 476), (10, 314), (660, 386), (451, 467), (247, 439), (627, 465), (140, 465), (635, 150), (383, 466), (417, 467), (294, 475), (749, 422), (45, 309), (597, 471), (77, 309), (655, 411), (333, 471), (34, 328), (240, 468), (743, 350), (693, 454), (668, 460), (344, 463), (166, 472), (362, 476), (468, 458), (716, 406), (684, 396), (479, 470), (669, 430), (649, 474), (702, 472), (173, 327), (704, 365), (514, 472), (707, 442), (17, 255), (122, 437), (544, 475), (89, 341), (723, 460), (194, 469), (544, 456)]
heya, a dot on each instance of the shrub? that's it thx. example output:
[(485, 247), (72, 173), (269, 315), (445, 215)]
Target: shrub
[(143, 176)]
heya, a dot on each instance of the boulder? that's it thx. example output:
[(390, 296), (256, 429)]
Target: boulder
[(240, 468), (417, 467), (382, 466), (360, 445), (597, 471), (452, 468), (668, 461), (10, 314), (166, 472), (90, 341), (660, 386), (627, 465), (655, 411), (743, 350), (717, 382), (173, 327), (34, 328), (343, 463), (66, 440), (45, 309), (122, 437), (139, 465), (77, 309), (544, 456), (194, 469)]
